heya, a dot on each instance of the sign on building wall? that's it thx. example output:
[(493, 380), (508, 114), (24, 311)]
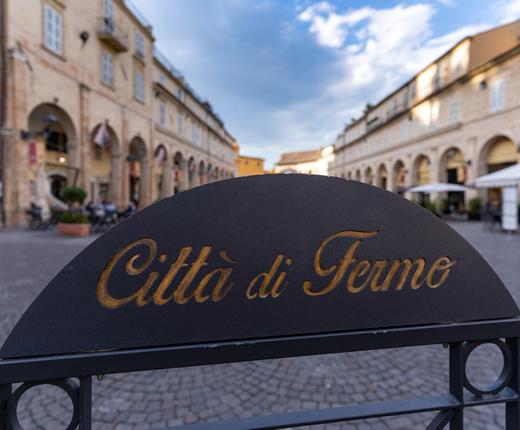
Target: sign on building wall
[(510, 208)]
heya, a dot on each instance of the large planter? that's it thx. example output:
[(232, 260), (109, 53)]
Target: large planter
[(74, 230)]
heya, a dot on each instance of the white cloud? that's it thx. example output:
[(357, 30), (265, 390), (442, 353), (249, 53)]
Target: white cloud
[(329, 27), (375, 50), (509, 10), (384, 46)]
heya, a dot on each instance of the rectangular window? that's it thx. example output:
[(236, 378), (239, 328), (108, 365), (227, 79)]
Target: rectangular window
[(194, 133), (108, 69), (162, 114), (497, 96), (162, 79), (180, 94), (413, 90), (453, 111), (179, 123), (139, 86), (108, 9), (53, 31), (437, 78), (139, 45)]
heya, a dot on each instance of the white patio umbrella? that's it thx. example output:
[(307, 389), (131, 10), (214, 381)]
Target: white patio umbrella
[(508, 177), (436, 187)]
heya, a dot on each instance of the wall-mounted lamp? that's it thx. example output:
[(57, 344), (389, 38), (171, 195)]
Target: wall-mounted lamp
[(84, 35), (483, 85), (62, 160), (468, 162)]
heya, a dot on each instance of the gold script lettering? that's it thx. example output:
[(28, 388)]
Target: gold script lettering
[(345, 262), (104, 296), (444, 265)]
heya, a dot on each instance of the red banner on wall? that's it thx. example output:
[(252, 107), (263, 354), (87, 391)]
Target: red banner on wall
[(32, 153)]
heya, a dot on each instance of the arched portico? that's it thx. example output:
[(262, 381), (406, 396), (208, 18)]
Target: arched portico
[(382, 176), (192, 173), (453, 170), (202, 173), (105, 164), (399, 177), (138, 170), (497, 153), (179, 173), (369, 175), (162, 173), (55, 145), (421, 170)]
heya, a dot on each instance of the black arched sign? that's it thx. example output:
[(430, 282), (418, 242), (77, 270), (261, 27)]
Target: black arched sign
[(258, 257)]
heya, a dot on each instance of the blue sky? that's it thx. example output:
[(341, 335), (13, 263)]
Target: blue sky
[(286, 75)]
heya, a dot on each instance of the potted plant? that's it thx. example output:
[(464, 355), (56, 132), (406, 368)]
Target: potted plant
[(474, 209), (444, 206), (73, 222)]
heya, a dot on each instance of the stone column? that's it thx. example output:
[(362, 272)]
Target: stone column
[(16, 186), (124, 183), (167, 178), (472, 170), (84, 141), (184, 182), (116, 178), (434, 172), (408, 180), (390, 176), (144, 182)]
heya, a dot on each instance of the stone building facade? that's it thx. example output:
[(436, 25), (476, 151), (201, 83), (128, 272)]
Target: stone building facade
[(88, 96), (455, 120), (314, 162)]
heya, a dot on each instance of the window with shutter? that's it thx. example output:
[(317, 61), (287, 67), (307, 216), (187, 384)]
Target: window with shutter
[(497, 95), (52, 29), (108, 69)]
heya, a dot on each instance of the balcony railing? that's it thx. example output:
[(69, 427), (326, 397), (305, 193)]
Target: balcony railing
[(112, 35)]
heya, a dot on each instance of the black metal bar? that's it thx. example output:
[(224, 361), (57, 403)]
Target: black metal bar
[(5, 392), (457, 384), (513, 408), (84, 364), (441, 419), (332, 415), (85, 403), (349, 413)]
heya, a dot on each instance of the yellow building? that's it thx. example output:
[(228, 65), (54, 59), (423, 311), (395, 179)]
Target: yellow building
[(85, 93), (250, 165)]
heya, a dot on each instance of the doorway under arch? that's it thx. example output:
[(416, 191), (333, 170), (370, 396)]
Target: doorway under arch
[(137, 170)]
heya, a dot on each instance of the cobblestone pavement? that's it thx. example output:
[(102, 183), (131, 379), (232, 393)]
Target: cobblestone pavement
[(160, 399)]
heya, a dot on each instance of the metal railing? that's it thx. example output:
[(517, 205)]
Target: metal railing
[(110, 32)]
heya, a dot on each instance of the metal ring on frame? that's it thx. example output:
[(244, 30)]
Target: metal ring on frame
[(505, 374), (68, 385)]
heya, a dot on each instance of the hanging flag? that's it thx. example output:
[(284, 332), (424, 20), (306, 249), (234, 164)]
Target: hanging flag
[(160, 154), (191, 165), (102, 137)]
